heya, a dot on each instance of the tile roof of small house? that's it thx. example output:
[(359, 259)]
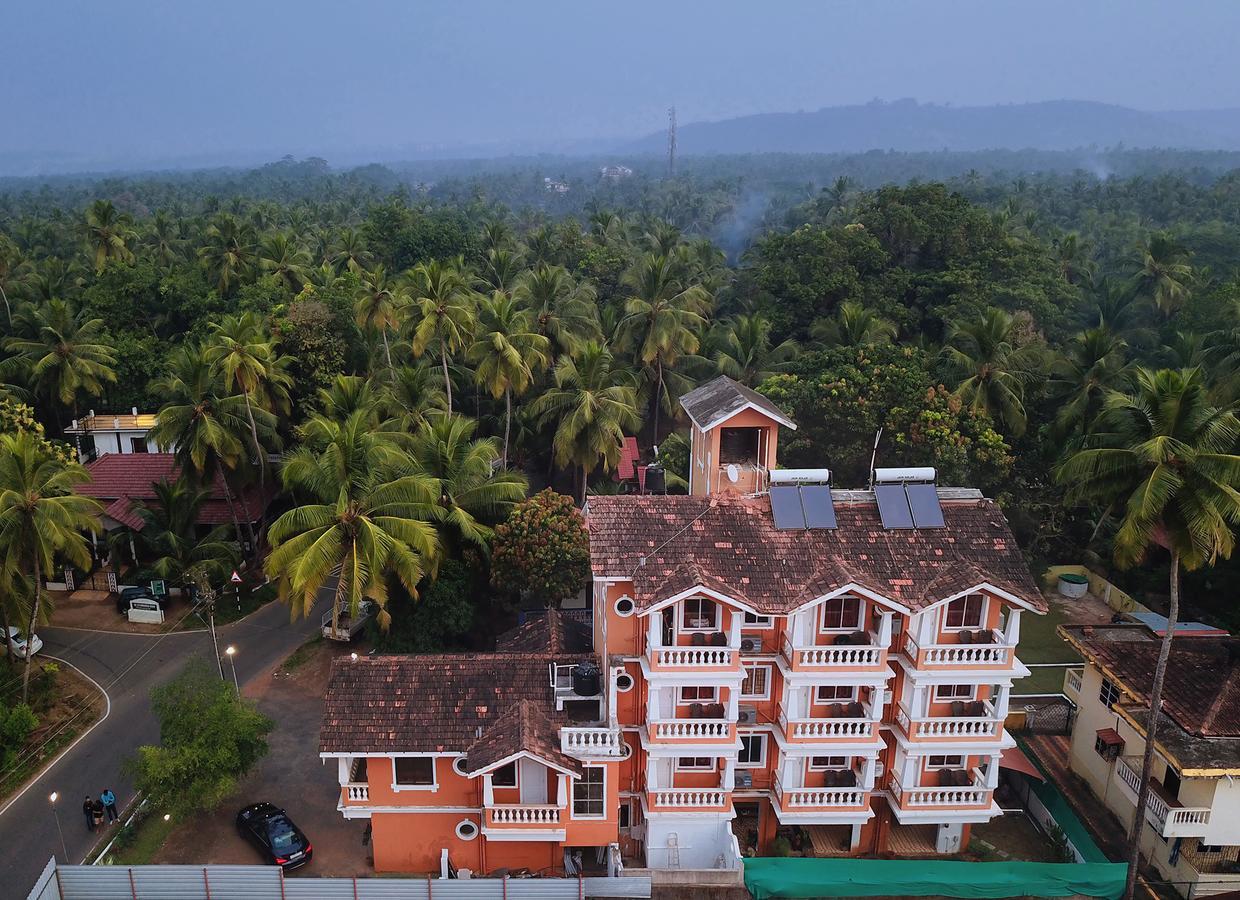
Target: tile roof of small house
[(525, 726), (721, 398), (551, 632), (731, 545)]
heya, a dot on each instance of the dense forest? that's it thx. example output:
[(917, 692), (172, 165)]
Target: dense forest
[(445, 339)]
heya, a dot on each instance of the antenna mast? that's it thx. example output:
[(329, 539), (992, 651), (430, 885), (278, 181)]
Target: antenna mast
[(671, 142), (878, 436)]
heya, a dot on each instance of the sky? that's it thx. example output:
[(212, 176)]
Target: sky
[(137, 81)]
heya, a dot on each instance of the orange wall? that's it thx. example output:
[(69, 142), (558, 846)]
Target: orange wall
[(704, 446), (624, 636), (411, 842)]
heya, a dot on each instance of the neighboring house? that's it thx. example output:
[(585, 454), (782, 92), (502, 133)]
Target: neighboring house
[(614, 173), (758, 672), (95, 436), (1192, 828)]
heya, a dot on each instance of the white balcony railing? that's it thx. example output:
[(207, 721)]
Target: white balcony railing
[(975, 794), (694, 657), (1072, 681), (996, 653), (591, 742), (842, 656), (357, 793), (1170, 821), (691, 729), (835, 729), (812, 798), (690, 798), (950, 727), (523, 814)]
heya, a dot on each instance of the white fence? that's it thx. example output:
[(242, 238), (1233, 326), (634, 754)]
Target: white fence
[(268, 883)]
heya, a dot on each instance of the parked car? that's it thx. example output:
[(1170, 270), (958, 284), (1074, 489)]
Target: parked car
[(19, 646), (274, 835), (137, 593)]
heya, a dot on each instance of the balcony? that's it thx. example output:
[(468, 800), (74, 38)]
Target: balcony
[(870, 655), (688, 800), (825, 799), (827, 730), (986, 727), (1072, 683), (1165, 813), (591, 742), (692, 731), (521, 815), (973, 796), (693, 658), (985, 649), (353, 794)]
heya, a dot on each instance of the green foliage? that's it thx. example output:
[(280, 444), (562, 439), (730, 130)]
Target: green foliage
[(543, 550), (440, 617), (209, 738), (17, 722)]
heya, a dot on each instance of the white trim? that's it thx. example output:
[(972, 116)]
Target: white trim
[(462, 762), (472, 824), (819, 701), (854, 588), (810, 767), (755, 626), (955, 629), (770, 676), (572, 800), (681, 701), (841, 629), (969, 699), (616, 606), (397, 787), (763, 742), (989, 588), (748, 405), (683, 611), (516, 777), (632, 682), (696, 590), (713, 766), (929, 767), (519, 755)]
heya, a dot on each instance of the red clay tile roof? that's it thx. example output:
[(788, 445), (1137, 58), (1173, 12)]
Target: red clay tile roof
[(629, 457), (731, 545), (551, 633), (119, 479), (525, 726)]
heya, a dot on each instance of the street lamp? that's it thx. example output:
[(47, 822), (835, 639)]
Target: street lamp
[(52, 798), (231, 652)]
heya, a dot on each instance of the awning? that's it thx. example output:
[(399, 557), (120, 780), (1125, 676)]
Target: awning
[(1110, 737), (1015, 760)]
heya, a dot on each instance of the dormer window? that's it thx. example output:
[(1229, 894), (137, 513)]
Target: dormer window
[(700, 614), (966, 612), (841, 614)]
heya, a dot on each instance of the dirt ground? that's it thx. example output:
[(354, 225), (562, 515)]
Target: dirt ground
[(96, 611), (291, 776)]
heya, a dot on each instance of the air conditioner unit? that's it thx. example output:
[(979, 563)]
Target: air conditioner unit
[(751, 645), (746, 715), (744, 779), (878, 768)]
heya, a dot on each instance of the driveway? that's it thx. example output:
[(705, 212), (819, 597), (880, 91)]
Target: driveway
[(126, 666)]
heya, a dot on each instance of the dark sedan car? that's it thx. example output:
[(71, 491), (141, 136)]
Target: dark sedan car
[(137, 593), (274, 835)]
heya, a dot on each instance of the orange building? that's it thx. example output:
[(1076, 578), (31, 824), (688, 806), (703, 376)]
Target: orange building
[(774, 653)]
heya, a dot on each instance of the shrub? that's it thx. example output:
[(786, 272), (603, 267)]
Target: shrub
[(543, 549)]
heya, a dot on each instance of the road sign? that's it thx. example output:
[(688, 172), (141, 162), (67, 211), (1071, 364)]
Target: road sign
[(236, 577), (158, 588)]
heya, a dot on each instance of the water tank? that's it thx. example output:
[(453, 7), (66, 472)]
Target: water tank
[(656, 482), (586, 677)]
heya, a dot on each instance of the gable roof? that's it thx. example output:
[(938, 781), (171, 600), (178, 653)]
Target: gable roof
[(524, 728), (731, 545), (721, 398), (552, 632)]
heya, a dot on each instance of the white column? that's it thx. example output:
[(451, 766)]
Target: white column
[(920, 701), (878, 692), (654, 704), (731, 711), (729, 773), (790, 772), (803, 701), (800, 628), (652, 630), (884, 628), (561, 791), (992, 773), (908, 771), (1001, 701), (344, 764), (1011, 634), (488, 792), (925, 624), (734, 632), (867, 773)]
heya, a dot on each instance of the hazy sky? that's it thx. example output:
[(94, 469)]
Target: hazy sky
[(157, 79)]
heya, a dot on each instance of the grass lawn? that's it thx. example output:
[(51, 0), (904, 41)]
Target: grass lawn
[(301, 655), (137, 843), (229, 607), (1040, 644)]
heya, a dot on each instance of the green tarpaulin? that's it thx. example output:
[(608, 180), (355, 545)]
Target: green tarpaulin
[(805, 878)]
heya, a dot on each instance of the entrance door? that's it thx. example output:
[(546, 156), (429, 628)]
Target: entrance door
[(533, 778)]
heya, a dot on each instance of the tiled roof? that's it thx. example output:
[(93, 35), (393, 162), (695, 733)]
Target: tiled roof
[(525, 726), (120, 479), (722, 398), (731, 545), (630, 456), (551, 633)]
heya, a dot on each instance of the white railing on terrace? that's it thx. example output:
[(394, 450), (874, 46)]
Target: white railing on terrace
[(998, 653), (1169, 821), (684, 729), (794, 798), (590, 741), (841, 655), (949, 727), (690, 798), (521, 814), (1072, 680), (1128, 777), (694, 657), (357, 792), (976, 794), (827, 729)]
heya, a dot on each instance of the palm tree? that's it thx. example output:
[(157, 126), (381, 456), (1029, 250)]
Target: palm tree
[(744, 353), (165, 240), (990, 367), (108, 234), (1164, 456), (10, 263), (1073, 257), (360, 518), (507, 352), (228, 252), (414, 397), (445, 305), (1162, 274), (500, 270), (41, 518), (1093, 364), (64, 355), (282, 256), (349, 252), (472, 495), (664, 318), (379, 306), (854, 325), (564, 308), (170, 535), (593, 406)]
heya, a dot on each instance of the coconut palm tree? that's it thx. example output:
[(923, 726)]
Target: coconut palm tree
[(507, 352), (1163, 456), (414, 396), (165, 240), (42, 519), (379, 306), (63, 354), (743, 349), (356, 516), (109, 233), (228, 251), (170, 535), (500, 270), (348, 252), (853, 325), (280, 255), (447, 316), (991, 369), (564, 309), (1162, 274), (592, 406), (1093, 364)]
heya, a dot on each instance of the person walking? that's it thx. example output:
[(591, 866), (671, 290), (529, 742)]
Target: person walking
[(109, 805), (96, 809), (88, 807)]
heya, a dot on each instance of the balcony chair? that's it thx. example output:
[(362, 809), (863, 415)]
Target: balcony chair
[(983, 637), (860, 638), (836, 710), (719, 639), (964, 637), (841, 640), (697, 711), (715, 711), (976, 710), (958, 709), (856, 710), (698, 639)]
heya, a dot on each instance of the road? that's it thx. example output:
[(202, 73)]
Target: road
[(127, 666)]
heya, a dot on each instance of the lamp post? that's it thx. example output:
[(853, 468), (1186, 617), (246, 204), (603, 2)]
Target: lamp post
[(52, 798), (231, 652)]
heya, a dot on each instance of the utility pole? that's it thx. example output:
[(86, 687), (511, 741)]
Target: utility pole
[(207, 595), (671, 142)]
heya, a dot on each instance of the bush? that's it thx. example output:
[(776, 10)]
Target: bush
[(437, 619), (543, 549), (16, 724), (781, 846)]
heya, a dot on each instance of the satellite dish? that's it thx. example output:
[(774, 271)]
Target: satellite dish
[(734, 474)]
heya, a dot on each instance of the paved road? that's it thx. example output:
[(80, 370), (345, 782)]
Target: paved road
[(127, 666)]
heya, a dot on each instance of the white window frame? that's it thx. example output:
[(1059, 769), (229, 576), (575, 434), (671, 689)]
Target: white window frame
[(433, 786), (516, 776), (572, 796), (938, 698), (712, 764), (841, 629), (819, 700), (760, 622), (983, 614), (1109, 687), (760, 737), (470, 823), (934, 767), (680, 694), (812, 767), (766, 682), (684, 615)]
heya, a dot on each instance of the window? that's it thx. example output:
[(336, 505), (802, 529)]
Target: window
[(626, 814), (820, 763), (415, 770), (738, 445), (466, 830), (757, 683), (698, 694), (753, 620), (138, 444), (752, 754), (357, 771), (624, 606), (1209, 848), (1109, 694), (700, 614), (954, 691), (944, 762), (460, 765), (835, 693), (966, 612), (590, 793), (505, 776), (841, 614), (624, 682), (696, 763)]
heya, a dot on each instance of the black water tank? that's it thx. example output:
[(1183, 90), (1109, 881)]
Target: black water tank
[(656, 483), (586, 679)]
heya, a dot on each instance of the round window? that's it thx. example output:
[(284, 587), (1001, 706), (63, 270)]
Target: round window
[(460, 765), (626, 749), (466, 830), (624, 606), (624, 682)]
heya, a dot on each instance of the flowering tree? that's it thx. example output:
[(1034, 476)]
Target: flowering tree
[(543, 549)]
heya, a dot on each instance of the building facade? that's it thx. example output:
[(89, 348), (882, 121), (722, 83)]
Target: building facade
[(774, 655), (96, 436)]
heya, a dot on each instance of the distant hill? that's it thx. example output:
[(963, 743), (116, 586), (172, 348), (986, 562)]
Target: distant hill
[(911, 126)]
